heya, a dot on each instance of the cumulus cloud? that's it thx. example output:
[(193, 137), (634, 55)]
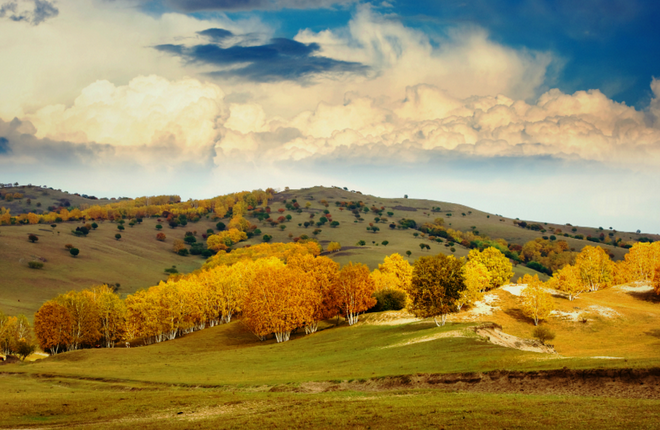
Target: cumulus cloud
[(428, 122), (149, 111), (31, 11)]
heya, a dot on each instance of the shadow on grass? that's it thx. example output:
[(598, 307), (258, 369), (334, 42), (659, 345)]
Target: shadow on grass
[(516, 314), (647, 296), (654, 333)]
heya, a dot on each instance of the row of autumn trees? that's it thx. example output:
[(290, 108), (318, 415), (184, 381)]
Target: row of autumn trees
[(275, 288), (145, 207), (278, 288)]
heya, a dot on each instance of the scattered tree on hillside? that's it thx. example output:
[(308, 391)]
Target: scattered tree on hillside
[(33, 237), (161, 237), (74, 252), (535, 301), (117, 236), (437, 283), (334, 247), (178, 245)]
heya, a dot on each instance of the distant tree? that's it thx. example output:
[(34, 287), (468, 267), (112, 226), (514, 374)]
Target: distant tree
[(95, 225), (159, 227), (120, 227), (424, 246), (408, 253), (385, 243), (178, 245), (282, 226), (361, 243), (436, 287), (334, 247), (161, 237), (183, 252), (117, 236), (266, 238), (334, 224), (33, 237), (74, 252)]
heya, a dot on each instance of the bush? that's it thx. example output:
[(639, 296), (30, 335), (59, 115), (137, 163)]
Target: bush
[(172, 270), (220, 226), (33, 237), (266, 238), (159, 227), (389, 300), (120, 227), (95, 225), (25, 348), (207, 253), (161, 237), (183, 252), (385, 242), (74, 252), (543, 334), (190, 240), (117, 236), (68, 246), (361, 243), (35, 264)]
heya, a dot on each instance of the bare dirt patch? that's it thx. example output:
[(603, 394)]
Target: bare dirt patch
[(618, 383), (493, 333)]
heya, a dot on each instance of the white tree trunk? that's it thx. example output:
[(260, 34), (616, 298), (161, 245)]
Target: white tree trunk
[(312, 328), (282, 336)]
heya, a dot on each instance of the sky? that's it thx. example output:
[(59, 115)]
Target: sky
[(533, 109)]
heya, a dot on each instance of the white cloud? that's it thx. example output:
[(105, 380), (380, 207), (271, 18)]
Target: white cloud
[(148, 111)]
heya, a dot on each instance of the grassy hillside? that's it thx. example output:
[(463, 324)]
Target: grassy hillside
[(138, 259)]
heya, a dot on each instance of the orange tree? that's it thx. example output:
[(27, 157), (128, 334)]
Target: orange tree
[(51, 326), (353, 291)]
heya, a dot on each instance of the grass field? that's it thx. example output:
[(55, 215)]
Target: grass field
[(138, 260), (224, 377)]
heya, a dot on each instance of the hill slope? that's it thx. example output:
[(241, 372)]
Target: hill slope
[(138, 260)]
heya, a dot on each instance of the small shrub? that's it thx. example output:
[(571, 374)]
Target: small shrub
[(95, 225), (266, 238), (190, 240), (389, 300), (385, 242), (68, 246), (543, 334), (220, 226), (207, 253), (161, 237), (120, 227), (33, 237), (159, 227), (183, 252), (35, 264), (408, 253), (74, 252), (172, 270), (117, 236), (361, 243)]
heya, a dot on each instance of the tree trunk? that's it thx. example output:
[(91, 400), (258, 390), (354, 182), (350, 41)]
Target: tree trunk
[(311, 328)]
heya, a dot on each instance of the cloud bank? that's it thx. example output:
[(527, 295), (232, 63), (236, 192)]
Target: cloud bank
[(31, 11)]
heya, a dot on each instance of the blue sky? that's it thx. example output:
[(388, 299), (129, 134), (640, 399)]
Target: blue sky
[(538, 109)]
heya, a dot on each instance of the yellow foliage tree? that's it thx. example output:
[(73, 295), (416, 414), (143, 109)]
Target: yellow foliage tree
[(595, 267), (397, 266), (51, 326), (324, 274), (334, 247), (178, 245), (279, 300), (499, 267), (535, 302), (477, 280), (641, 261), (569, 281)]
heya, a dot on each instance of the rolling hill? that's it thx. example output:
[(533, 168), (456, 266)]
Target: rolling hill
[(138, 260)]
